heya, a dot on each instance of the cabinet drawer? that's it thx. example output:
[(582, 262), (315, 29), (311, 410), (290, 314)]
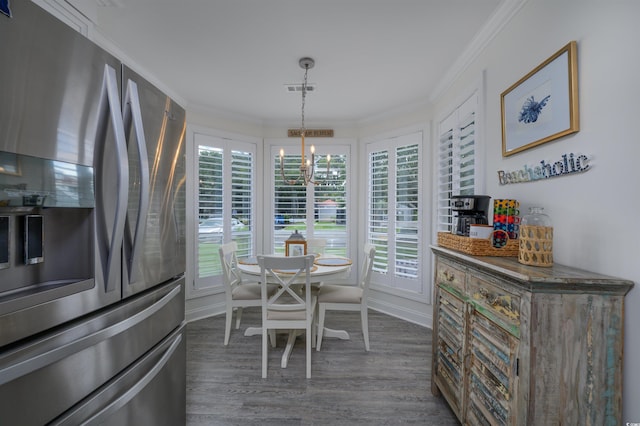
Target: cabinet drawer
[(450, 277), (495, 303)]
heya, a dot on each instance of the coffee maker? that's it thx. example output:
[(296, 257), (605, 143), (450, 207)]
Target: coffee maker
[(469, 210)]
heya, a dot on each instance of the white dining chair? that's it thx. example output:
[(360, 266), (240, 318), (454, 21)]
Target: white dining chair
[(316, 245), (290, 308), (342, 297), (239, 294)]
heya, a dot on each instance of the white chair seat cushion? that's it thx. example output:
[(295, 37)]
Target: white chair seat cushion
[(339, 294), (286, 315), (289, 315), (250, 291)]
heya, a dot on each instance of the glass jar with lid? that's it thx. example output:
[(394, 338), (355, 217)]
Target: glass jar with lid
[(536, 238)]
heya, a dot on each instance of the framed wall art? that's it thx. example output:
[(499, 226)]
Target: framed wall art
[(542, 105), (295, 248)]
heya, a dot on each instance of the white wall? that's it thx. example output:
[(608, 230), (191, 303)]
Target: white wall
[(593, 213)]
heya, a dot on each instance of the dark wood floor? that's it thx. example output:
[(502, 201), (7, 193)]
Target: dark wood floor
[(387, 386)]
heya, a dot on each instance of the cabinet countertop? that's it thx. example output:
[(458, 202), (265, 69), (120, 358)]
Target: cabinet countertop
[(558, 277)]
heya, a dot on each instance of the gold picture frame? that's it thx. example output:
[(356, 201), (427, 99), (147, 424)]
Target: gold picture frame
[(295, 248), (543, 105)]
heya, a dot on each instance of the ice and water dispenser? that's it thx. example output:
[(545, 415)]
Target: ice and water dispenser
[(45, 222), (31, 239), (4, 242)]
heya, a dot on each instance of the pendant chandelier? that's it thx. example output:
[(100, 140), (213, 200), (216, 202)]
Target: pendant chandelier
[(307, 167)]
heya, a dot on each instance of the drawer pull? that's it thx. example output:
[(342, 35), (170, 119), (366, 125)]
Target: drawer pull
[(491, 298)]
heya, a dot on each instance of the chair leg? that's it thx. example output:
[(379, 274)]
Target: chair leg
[(365, 326), (265, 348), (308, 339), (227, 325), (272, 337), (238, 317), (320, 326), (314, 328)]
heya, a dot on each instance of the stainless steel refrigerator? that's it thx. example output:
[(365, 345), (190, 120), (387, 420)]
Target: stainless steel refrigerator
[(92, 233)]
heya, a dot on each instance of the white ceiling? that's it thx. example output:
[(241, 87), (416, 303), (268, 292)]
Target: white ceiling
[(372, 57)]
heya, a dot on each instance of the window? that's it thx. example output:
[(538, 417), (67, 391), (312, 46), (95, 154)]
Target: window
[(456, 159), (393, 210), (316, 211), (225, 202)]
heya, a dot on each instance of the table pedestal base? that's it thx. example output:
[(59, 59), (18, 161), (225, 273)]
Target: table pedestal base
[(287, 350), (328, 332), (340, 334), (253, 331)]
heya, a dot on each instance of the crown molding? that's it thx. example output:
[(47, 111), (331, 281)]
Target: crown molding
[(67, 14), (493, 26), (400, 111)]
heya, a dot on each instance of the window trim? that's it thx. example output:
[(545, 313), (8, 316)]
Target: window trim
[(424, 296), (323, 146), (193, 290), (476, 89)]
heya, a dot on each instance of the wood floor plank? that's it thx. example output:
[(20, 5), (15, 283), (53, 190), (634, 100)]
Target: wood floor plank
[(390, 385)]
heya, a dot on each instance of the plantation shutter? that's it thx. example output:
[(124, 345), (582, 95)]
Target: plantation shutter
[(242, 202), (330, 204), (378, 207), (393, 211), (318, 210), (290, 205), (406, 247), (225, 203), (456, 162), (210, 206)]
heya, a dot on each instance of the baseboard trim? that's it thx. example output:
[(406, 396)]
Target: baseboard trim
[(421, 318), (196, 309)]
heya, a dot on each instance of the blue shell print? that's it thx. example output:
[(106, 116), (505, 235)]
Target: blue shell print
[(4, 8), (532, 109)]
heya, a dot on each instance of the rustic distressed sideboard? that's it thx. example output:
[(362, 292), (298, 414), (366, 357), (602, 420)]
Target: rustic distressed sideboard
[(523, 345)]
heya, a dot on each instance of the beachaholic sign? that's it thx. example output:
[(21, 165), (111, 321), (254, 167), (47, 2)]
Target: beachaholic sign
[(568, 164)]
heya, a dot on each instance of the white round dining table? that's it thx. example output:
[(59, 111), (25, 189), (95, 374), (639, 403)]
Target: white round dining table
[(321, 272)]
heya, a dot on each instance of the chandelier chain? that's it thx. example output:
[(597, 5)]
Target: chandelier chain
[(304, 95), (307, 169)]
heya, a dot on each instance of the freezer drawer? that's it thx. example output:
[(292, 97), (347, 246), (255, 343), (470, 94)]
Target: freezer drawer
[(150, 392), (42, 379)]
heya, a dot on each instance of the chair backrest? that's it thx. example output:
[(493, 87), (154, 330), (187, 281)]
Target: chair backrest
[(367, 267), (316, 245), (286, 271), (229, 261)]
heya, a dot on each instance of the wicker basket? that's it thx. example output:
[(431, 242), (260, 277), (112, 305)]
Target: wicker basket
[(476, 246)]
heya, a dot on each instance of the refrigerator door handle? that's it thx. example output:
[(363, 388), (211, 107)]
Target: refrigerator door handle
[(34, 362), (122, 400), (110, 240), (132, 115)]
